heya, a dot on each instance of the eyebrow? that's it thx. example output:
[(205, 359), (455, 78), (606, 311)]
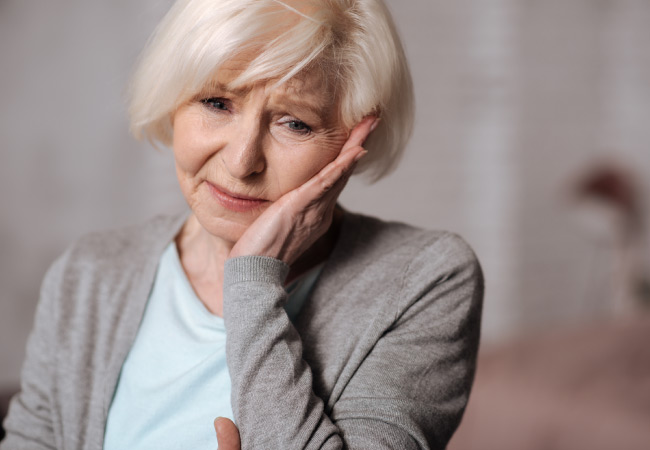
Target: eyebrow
[(303, 105), (218, 86)]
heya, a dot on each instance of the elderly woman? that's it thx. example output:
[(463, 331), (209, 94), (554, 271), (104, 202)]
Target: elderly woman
[(307, 325)]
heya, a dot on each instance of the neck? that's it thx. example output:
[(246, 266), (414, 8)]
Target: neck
[(203, 256), (199, 251)]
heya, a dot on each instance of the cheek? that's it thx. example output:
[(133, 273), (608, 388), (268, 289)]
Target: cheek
[(295, 166), (189, 150), (185, 158)]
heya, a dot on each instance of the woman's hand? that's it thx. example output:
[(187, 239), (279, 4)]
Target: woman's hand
[(297, 219), (227, 434)]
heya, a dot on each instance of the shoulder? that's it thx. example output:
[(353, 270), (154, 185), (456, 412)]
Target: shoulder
[(101, 258), (126, 245), (399, 293), (95, 291), (411, 248), (410, 270), (427, 282), (392, 268)]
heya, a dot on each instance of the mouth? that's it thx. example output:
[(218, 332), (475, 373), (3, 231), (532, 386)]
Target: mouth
[(233, 201)]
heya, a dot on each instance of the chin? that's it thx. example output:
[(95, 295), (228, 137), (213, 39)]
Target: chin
[(222, 228), (224, 224)]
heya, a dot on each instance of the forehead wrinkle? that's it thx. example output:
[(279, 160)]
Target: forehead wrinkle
[(216, 85), (297, 93), (311, 86)]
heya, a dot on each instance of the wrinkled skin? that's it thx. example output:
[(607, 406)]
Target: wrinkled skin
[(281, 157), (282, 153)]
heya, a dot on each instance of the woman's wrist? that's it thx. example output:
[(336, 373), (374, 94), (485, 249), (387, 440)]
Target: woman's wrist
[(264, 269)]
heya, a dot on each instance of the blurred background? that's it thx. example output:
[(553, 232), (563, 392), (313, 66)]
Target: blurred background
[(532, 141)]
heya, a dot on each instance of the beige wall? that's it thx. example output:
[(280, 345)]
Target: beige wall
[(514, 98)]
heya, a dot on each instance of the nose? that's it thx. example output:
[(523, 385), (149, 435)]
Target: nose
[(243, 154)]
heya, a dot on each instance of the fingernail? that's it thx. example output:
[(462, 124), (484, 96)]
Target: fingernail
[(360, 155), (374, 124)]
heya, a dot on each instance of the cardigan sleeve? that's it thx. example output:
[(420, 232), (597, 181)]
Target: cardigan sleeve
[(29, 423), (271, 394), (409, 392)]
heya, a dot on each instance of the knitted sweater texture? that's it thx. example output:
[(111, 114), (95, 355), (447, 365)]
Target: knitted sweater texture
[(381, 356)]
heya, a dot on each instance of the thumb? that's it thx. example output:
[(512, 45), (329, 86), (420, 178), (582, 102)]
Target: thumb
[(227, 434)]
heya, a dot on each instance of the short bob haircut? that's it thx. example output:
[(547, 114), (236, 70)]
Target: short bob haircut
[(353, 43)]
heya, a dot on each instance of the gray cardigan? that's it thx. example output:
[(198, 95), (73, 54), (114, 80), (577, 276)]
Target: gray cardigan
[(382, 354)]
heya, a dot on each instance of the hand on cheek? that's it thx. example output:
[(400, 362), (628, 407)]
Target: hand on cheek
[(297, 219)]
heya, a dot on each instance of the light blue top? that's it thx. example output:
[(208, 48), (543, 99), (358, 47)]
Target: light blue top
[(175, 381)]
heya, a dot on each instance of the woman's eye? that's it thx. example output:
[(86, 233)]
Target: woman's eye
[(215, 103), (298, 126)]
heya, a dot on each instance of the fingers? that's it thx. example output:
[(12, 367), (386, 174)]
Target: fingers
[(227, 434), (351, 152), (334, 176), (331, 180), (338, 171), (360, 132)]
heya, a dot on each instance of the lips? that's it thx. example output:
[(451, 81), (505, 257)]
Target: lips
[(233, 201)]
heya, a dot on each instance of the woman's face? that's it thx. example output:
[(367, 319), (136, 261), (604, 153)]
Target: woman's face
[(238, 151)]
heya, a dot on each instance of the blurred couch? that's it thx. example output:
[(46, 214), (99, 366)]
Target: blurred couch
[(587, 388)]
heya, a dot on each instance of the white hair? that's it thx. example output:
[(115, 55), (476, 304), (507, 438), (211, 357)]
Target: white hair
[(353, 42)]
